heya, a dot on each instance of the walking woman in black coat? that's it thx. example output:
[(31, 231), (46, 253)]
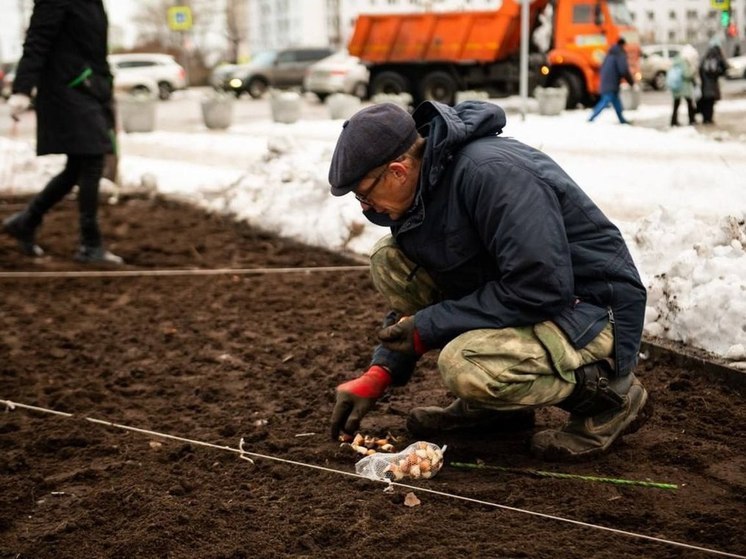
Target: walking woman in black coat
[(64, 59)]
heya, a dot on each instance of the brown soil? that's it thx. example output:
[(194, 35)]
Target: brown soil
[(220, 358)]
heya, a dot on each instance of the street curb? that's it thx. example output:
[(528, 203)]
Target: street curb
[(686, 358)]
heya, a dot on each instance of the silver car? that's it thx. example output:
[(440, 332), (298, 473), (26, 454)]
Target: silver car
[(280, 69), (338, 73), (736, 67)]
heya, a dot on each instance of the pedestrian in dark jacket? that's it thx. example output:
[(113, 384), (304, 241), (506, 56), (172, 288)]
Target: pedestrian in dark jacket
[(500, 261), (614, 69), (64, 60), (713, 66)]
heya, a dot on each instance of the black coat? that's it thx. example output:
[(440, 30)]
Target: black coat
[(713, 66), (64, 58), (511, 240)]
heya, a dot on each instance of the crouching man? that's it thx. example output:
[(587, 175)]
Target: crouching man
[(498, 259)]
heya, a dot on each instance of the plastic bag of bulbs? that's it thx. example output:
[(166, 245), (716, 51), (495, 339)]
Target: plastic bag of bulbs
[(420, 460)]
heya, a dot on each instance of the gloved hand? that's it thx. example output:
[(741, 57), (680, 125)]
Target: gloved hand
[(18, 103), (403, 337), (355, 398)]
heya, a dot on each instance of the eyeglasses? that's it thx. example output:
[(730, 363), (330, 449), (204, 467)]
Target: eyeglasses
[(365, 198)]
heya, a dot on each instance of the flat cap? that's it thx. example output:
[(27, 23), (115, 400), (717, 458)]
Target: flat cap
[(370, 138)]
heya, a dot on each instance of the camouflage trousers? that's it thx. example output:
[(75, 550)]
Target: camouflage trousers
[(501, 368)]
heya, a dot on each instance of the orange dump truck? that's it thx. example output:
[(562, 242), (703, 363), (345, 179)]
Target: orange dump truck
[(432, 55)]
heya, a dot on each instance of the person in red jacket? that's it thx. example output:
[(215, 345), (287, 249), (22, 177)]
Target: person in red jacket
[(500, 261), (64, 61)]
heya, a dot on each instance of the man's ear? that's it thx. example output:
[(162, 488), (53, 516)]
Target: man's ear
[(398, 168)]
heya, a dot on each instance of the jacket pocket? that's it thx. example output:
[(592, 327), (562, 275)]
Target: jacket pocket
[(582, 322), (96, 85)]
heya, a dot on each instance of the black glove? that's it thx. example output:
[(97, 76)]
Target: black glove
[(402, 337), (355, 398)]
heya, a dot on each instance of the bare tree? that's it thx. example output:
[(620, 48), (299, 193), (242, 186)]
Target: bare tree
[(192, 47)]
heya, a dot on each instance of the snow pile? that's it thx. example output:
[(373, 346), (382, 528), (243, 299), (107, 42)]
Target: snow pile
[(678, 197)]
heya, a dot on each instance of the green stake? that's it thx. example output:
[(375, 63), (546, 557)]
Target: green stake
[(539, 473)]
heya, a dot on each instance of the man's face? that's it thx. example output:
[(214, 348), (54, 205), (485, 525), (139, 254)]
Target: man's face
[(391, 190)]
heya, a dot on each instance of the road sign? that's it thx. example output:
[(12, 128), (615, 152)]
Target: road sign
[(180, 18)]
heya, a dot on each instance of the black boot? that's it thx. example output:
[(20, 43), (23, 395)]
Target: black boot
[(602, 409), (97, 255), (462, 416), (20, 227), (91, 249)]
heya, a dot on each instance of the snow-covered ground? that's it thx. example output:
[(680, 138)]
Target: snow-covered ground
[(678, 196)]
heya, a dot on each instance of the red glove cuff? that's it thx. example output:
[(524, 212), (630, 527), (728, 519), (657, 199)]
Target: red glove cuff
[(419, 346), (371, 384)]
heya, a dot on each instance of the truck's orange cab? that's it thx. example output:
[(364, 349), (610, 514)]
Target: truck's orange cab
[(584, 30)]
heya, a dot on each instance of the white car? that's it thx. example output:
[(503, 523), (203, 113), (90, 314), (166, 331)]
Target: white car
[(736, 67), (338, 73), (656, 61), (138, 72)]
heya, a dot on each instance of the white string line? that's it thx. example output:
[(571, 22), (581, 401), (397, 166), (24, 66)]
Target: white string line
[(182, 272), (10, 405)]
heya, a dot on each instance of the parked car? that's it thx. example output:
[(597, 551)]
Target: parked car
[(220, 73), (736, 67), (274, 68), (338, 73), (135, 72), (656, 61)]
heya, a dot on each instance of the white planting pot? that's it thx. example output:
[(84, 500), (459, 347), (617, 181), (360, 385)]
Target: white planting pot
[(286, 106), (342, 106), (217, 113), (471, 95), (137, 113), (552, 100)]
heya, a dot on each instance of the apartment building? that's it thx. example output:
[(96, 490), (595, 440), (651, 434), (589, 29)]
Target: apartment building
[(685, 21), (279, 23)]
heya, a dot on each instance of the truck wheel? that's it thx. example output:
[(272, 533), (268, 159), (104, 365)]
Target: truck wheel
[(439, 86), (574, 87), (390, 83)]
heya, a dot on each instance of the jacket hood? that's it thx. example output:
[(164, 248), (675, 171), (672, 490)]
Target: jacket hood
[(448, 128)]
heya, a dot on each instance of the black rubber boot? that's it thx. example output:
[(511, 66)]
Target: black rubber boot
[(461, 416), (97, 255), (20, 227), (602, 409)]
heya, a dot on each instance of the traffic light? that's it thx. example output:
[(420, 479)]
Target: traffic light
[(725, 18)]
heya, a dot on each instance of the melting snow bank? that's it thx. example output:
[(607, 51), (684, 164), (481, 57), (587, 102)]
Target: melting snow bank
[(695, 271), (691, 255)]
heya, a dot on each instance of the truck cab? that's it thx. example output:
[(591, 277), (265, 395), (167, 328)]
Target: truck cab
[(584, 30)]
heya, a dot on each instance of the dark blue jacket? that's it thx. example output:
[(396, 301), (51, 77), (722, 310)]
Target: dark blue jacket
[(510, 240), (613, 69)]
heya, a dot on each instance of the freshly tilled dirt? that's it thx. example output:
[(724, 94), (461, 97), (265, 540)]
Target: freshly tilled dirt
[(217, 359)]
